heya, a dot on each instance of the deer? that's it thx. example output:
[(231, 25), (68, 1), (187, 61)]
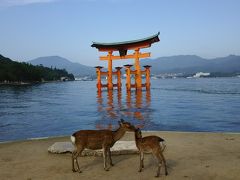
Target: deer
[(98, 139), (153, 144)]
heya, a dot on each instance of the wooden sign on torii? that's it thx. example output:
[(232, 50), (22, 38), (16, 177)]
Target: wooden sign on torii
[(122, 48)]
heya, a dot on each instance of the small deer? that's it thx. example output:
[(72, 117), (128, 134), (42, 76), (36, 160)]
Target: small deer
[(153, 144), (98, 139)]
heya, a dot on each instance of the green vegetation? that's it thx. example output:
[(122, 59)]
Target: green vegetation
[(16, 72)]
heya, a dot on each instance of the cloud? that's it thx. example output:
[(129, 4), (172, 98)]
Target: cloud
[(8, 3)]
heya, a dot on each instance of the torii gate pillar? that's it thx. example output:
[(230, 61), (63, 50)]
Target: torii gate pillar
[(138, 75), (109, 77)]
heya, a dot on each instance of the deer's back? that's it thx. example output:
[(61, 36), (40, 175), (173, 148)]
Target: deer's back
[(94, 139), (149, 143), (152, 139)]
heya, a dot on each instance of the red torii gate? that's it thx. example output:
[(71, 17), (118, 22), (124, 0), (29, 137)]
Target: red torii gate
[(123, 47)]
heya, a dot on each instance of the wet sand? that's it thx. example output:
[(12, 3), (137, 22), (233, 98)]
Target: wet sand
[(197, 156)]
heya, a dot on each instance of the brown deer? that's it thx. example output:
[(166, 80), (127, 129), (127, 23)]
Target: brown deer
[(98, 139), (153, 144)]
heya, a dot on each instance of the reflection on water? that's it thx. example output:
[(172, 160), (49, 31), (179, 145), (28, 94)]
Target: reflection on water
[(132, 105)]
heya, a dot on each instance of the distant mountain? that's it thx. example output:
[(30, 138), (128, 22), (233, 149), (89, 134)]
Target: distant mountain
[(189, 64), (186, 64), (61, 63)]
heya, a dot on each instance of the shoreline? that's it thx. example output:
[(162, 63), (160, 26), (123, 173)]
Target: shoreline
[(30, 83), (144, 131), (38, 82), (189, 155), (16, 83)]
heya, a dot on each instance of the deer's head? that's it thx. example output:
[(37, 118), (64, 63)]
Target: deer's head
[(126, 125), (138, 133)]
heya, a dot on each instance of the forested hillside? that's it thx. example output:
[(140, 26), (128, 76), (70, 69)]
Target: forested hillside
[(12, 71)]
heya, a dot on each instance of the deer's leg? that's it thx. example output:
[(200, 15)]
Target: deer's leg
[(105, 150), (142, 160), (141, 155), (161, 160), (75, 154), (164, 162), (159, 164), (110, 157)]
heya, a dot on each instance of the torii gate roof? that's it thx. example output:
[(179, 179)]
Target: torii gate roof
[(127, 45)]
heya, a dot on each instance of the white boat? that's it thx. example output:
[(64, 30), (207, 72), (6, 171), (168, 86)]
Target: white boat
[(201, 74)]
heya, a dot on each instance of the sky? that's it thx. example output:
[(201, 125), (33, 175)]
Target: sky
[(67, 28)]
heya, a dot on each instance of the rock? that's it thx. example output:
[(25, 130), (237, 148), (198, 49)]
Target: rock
[(61, 147), (119, 148)]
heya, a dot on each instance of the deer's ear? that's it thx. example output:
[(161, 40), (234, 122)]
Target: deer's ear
[(122, 120)]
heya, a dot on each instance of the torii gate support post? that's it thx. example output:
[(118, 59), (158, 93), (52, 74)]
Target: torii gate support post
[(119, 84), (110, 84), (128, 76), (147, 70), (98, 72), (138, 75)]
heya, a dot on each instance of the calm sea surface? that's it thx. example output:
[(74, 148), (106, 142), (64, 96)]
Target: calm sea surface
[(54, 109)]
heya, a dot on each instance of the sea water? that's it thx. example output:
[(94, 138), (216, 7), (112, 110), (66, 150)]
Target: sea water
[(61, 108)]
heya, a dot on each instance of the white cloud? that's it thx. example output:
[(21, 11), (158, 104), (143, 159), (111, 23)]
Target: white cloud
[(22, 2)]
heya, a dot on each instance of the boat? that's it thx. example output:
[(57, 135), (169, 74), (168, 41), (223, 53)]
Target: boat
[(201, 74)]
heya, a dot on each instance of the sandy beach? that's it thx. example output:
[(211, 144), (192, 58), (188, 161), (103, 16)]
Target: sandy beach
[(189, 156)]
